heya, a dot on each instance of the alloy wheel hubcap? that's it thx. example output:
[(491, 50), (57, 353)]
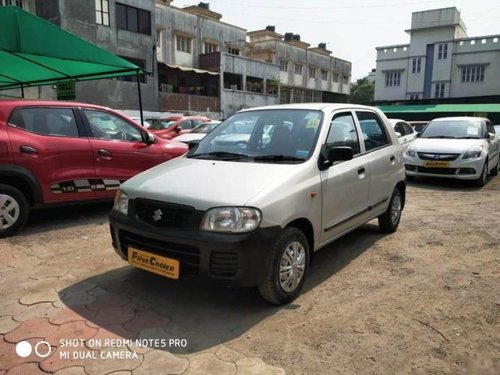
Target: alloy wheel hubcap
[(292, 266), (395, 209), (9, 211)]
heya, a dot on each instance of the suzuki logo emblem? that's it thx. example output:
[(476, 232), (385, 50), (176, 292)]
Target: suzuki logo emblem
[(157, 215)]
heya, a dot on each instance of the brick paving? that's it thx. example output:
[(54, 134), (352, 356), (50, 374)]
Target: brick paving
[(84, 332)]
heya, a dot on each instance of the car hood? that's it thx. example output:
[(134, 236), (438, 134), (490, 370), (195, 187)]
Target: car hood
[(455, 146), (188, 137), (205, 183)]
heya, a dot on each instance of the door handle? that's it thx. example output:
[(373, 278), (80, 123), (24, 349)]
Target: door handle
[(28, 150), (103, 152), (361, 170), (392, 159)]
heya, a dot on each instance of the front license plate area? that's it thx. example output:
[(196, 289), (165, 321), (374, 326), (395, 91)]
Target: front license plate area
[(154, 263), (436, 164)]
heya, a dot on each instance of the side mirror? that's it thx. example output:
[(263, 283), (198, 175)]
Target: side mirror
[(193, 144), (149, 138), (491, 136), (330, 155), (398, 134), (178, 129)]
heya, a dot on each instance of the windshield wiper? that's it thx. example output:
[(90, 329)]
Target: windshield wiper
[(220, 154), (278, 158), (469, 137)]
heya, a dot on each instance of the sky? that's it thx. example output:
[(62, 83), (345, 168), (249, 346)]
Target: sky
[(351, 29)]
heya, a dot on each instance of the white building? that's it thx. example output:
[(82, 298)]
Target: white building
[(440, 62)]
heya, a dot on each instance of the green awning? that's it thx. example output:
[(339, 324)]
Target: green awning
[(35, 52), (441, 108)]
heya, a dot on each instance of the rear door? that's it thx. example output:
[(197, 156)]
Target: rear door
[(385, 159), (345, 185), (50, 142), (494, 151), (118, 150)]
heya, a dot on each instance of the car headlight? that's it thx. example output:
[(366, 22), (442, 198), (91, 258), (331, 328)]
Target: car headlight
[(121, 202), (410, 151), (231, 219), (473, 153)]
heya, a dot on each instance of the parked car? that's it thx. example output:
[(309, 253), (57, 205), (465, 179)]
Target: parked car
[(165, 122), (197, 133), (173, 128), (419, 126), (60, 152), (406, 134), (497, 130), (146, 123), (455, 147), (253, 216)]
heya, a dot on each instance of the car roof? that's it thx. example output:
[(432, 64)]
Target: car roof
[(325, 107), (12, 103), (460, 118)]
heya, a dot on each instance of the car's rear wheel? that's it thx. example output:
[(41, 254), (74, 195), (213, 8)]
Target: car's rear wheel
[(14, 210), (286, 271), (481, 181), (388, 222)]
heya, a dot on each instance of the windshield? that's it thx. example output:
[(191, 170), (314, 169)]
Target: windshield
[(162, 124), (462, 129), (284, 135)]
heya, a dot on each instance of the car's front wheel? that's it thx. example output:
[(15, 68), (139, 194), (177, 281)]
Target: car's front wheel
[(481, 181), (14, 210), (286, 271)]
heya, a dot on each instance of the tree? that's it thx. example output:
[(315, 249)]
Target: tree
[(362, 92)]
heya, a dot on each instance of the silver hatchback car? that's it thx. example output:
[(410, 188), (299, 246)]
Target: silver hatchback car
[(252, 213)]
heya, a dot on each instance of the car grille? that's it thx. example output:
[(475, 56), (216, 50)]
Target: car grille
[(163, 215), (437, 156), (437, 170), (223, 263), (187, 255)]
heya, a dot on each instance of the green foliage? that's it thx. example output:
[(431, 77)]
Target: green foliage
[(362, 92)]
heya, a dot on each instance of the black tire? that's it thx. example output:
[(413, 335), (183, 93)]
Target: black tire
[(13, 206), (388, 222), (494, 171), (271, 287), (481, 181)]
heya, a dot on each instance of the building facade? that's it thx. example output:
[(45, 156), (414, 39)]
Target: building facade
[(195, 62), (307, 74), (440, 64)]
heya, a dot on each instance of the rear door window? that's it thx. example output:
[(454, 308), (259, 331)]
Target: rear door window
[(59, 122), (374, 132)]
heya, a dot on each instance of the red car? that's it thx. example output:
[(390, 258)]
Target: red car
[(170, 128), (59, 152)]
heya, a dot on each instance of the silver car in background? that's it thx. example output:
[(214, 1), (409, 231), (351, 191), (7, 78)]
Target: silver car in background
[(455, 147), (405, 132)]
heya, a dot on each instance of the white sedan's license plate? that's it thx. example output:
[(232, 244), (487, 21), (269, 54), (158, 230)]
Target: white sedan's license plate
[(436, 164)]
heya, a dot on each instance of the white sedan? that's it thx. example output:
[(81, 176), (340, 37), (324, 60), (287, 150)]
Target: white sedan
[(455, 147), (198, 132), (405, 132)]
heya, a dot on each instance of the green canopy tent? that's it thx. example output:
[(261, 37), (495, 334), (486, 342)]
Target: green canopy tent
[(34, 52)]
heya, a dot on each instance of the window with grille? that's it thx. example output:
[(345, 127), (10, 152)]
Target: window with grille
[(17, 3), (335, 77), (442, 51), (324, 75), (298, 69), (211, 47), (392, 79), (283, 66), (439, 90), (183, 43), (312, 72), (416, 65), (233, 51), (473, 73)]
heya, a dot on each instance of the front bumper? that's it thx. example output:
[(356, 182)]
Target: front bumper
[(235, 259), (468, 169)]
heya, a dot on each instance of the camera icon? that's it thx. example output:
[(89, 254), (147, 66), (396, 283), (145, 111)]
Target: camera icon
[(42, 349)]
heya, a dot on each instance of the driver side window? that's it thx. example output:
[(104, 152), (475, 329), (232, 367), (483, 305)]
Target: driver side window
[(108, 126)]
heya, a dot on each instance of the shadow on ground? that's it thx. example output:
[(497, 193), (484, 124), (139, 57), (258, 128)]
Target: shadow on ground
[(208, 314), (448, 184)]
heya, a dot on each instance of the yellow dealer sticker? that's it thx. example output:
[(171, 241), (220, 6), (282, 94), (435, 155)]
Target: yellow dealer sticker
[(154, 263)]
